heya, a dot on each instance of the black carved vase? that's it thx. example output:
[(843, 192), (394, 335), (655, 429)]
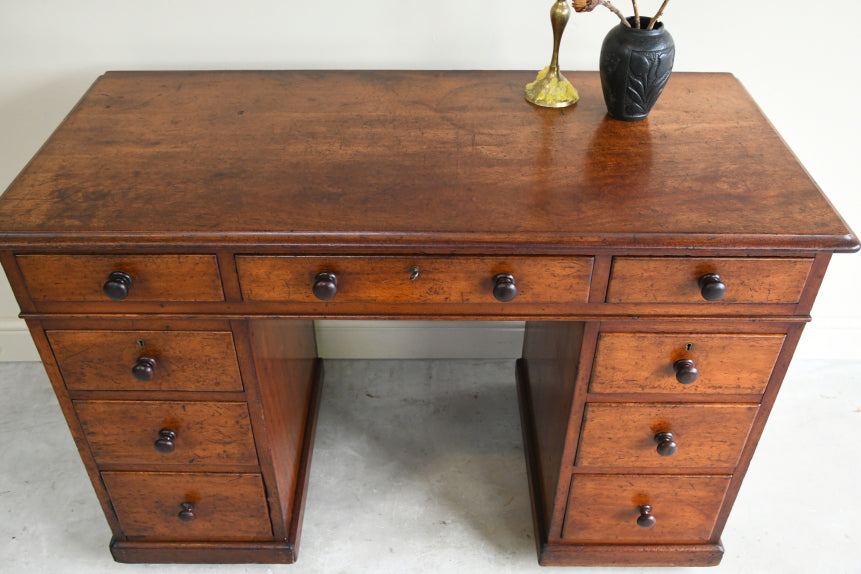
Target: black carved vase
[(635, 66)]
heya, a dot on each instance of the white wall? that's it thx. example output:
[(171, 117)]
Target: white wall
[(799, 60)]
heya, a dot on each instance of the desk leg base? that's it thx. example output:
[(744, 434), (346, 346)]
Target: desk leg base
[(203, 552), (629, 554), (572, 554)]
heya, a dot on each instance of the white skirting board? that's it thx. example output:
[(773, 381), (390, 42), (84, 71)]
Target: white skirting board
[(419, 339), (15, 342), (826, 339)]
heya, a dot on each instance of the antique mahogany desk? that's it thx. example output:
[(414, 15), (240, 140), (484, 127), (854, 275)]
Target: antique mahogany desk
[(172, 242)]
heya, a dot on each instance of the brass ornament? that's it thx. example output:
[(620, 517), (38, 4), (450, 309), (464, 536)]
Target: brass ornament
[(550, 89)]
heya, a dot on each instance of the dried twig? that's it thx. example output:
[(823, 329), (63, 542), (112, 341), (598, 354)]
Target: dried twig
[(589, 5), (636, 14), (658, 15)]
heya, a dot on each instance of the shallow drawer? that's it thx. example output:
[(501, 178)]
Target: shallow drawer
[(684, 362), (167, 432), (213, 506), (678, 280), (623, 435), (416, 279), (607, 508), (147, 360), (151, 277)]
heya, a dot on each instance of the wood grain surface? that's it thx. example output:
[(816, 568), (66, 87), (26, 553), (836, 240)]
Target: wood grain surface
[(185, 360), (674, 279), (155, 277), (541, 280), (227, 506), (605, 508), (409, 158), (207, 432), (643, 362), (623, 434)]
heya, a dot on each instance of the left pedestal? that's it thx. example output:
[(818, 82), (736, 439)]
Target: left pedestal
[(197, 434)]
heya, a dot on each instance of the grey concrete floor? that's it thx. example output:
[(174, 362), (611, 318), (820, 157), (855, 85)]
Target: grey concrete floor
[(418, 467)]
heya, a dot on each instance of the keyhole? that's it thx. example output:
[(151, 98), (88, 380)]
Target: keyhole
[(141, 343), (688, 347)]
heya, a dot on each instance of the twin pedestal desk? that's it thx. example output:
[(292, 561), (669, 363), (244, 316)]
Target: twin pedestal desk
[(173, 241)]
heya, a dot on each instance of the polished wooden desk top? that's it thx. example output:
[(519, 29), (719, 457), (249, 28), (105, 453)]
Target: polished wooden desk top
[(443, 161)]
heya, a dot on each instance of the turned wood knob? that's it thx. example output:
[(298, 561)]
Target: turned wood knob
[(646, 518), (165, 443), (325, 286), (686, 372), (117, 286), (712, 287), (187, 513), (144, 369), (666, 443), (504, 288)]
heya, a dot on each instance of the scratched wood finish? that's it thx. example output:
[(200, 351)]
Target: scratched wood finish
[(124, 432), (551, 353), (624, 434), (226, 506), (674, 279), (154, 277), (184, 360), (606, 508), (643, 362), (284, 355), (418, 158), (539, 280)]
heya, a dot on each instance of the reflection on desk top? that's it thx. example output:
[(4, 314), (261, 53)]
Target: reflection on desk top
[(450, 160)]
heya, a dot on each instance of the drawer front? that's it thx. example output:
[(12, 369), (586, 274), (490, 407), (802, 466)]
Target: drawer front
[(223, 506), (622, 435), (538, 280), (153, 277), (607, 508), (684, 363), (677, 279), (147, 360), (131, 432)]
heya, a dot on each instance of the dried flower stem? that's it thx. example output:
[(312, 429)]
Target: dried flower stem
[(636, 14), (658, 15), (615, 11)]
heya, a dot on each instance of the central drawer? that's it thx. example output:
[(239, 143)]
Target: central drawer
[(471, 280), (167, 432)]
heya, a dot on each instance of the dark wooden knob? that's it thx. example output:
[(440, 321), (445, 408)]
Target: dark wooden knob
[(165, 442), (504, 288), (144, 369), (646, 518), (686, 372), (712, 287), (666, 443), (187, 513), (117, 286), (325, 285)]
